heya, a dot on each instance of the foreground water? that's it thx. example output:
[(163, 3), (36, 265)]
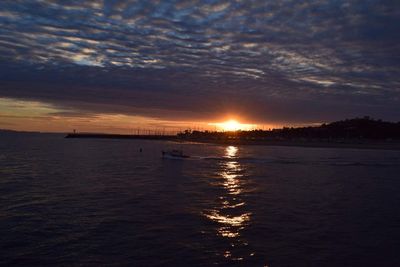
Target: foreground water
[(102, 202)]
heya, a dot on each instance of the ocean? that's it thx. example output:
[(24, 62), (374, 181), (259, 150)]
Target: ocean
[(96, 202)]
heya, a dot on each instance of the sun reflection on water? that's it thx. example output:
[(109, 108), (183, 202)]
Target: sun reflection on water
[(231, 151), (230, 213)]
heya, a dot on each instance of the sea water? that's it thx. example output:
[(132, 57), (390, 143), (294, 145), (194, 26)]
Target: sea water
[(91, 202)]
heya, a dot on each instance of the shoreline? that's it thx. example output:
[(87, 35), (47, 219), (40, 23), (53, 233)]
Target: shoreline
[(356, 144), (376, 145)]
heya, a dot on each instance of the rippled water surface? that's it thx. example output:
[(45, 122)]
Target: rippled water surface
[(67, 202)]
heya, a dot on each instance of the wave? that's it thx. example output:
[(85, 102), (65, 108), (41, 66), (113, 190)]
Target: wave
[(365, 164), (331, 161), (253, 160)]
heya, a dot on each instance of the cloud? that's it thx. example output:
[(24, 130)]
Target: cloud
[(267, 60)]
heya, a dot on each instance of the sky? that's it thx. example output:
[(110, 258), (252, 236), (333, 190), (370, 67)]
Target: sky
[(117, 66)]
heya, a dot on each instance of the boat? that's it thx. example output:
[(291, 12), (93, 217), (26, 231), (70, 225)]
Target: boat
[(174, 154)]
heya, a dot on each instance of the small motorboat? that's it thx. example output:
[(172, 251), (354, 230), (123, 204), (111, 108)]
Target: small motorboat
[(174, 154)]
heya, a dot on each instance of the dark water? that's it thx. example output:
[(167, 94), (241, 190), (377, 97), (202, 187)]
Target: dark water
[(102, 202)]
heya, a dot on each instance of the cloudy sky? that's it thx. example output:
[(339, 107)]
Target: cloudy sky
[(113, 65)]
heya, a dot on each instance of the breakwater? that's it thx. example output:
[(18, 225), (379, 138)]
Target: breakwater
[(121, 136)]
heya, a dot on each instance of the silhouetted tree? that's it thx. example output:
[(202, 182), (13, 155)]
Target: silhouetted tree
[(357, 128)]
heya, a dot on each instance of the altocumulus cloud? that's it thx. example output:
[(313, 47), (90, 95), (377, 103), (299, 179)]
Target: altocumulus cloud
[(266, 60)]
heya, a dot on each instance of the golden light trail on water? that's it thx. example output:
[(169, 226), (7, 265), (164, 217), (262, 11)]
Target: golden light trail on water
[(230, 212)]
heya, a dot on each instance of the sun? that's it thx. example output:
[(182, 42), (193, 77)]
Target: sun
[(232, 125)]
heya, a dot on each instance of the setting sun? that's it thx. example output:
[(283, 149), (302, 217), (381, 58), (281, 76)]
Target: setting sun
[(233, 125)]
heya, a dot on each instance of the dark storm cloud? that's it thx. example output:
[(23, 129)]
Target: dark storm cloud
[(268, 60)]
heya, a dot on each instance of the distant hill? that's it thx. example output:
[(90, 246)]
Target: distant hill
[(357, 128)]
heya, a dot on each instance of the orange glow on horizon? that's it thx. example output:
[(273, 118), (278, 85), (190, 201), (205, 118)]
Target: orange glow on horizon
[(233, 125), (27, 115)]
